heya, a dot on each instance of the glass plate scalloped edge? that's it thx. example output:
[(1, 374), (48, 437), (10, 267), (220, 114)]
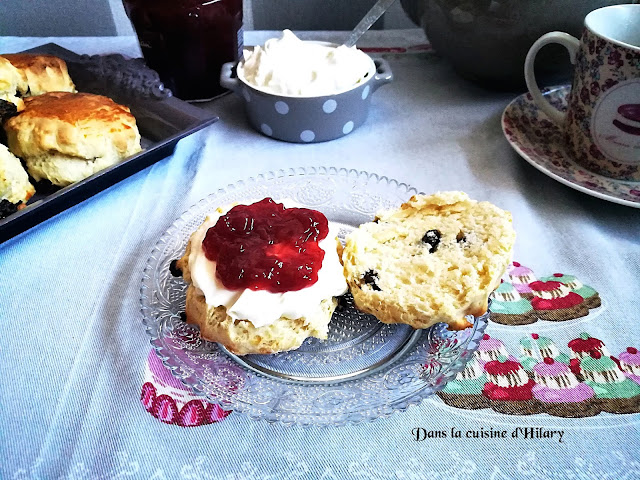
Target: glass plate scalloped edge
[(202, 367)]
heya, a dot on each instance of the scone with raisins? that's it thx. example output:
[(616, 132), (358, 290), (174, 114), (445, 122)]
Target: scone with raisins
[(435, 259)]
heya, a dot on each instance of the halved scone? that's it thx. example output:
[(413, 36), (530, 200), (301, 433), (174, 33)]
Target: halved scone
[(435, 259)]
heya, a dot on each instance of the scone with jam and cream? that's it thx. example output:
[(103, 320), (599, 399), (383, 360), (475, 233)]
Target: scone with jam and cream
[(262, 277), (435, 259)]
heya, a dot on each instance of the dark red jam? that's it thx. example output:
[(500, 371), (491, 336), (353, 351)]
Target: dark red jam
[(265, 246)]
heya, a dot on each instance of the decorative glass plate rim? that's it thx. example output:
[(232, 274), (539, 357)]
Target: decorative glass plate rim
[(466, 347)]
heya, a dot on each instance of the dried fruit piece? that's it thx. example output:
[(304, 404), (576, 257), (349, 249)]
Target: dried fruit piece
[(371, 278), (7, 110), (7, 208), (432, 238), (173, 268)]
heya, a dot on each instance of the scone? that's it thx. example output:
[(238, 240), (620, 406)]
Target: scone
[(261, 280), (40, 73), (435, 259), (15, 188), (65, 137), (11, 86)]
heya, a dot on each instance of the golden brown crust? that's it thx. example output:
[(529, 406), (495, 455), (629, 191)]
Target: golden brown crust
[(41, 73), (183, 263), (58, 129), (77, 107)]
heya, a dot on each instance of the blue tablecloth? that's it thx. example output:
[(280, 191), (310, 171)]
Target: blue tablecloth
[(75, 356)]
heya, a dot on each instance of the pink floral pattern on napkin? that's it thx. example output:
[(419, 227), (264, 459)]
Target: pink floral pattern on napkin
[(168, 400)]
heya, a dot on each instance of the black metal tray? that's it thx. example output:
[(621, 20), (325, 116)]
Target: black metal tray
[(161, 119)]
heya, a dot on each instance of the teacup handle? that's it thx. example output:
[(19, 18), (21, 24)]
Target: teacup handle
[(571, 44)]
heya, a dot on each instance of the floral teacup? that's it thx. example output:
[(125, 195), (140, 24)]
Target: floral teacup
[(602, 122)]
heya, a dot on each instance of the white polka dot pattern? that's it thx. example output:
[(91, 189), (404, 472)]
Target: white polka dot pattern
[(347, 127), (307, 136), (266, 129), (365, 92), (281, 107), (329, 106)]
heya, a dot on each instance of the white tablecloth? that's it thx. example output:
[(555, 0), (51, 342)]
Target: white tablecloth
[(74, 351)]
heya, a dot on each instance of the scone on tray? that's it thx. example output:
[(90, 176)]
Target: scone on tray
[(273, 299), (40, 73), (434, 259), (15, 188), (12, 85), (66, 137)]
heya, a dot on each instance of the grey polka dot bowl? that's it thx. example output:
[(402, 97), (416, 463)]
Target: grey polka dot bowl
[(308, 119)]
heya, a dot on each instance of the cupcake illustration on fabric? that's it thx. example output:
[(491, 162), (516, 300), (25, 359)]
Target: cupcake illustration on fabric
[(164, 397), (520, 277), (585, 344), (590, 296), (490, 349), (465, 391), (630, 364), (509, 307), (615, 392), (509, 388), (555, 301), (536, 348), (560, 392)]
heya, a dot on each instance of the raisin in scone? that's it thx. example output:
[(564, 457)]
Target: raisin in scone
[(435, 259), (252, 284)]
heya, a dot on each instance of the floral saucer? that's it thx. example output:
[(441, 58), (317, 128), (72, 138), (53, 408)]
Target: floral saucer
[(540, 142)]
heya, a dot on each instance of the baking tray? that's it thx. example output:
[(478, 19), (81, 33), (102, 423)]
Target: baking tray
[(161, 118)]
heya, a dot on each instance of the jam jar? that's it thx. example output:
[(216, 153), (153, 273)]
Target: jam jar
[(187, 41)]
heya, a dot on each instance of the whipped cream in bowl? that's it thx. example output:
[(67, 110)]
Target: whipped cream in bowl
[(293, 67), (305, 91)]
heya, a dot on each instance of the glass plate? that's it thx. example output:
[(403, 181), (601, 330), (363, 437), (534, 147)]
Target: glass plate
[(363, 371)]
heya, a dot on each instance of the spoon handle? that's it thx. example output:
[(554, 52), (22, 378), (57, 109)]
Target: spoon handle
[(369, 19)]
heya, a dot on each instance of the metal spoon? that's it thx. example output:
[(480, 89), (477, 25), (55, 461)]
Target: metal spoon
[(369, 19)]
